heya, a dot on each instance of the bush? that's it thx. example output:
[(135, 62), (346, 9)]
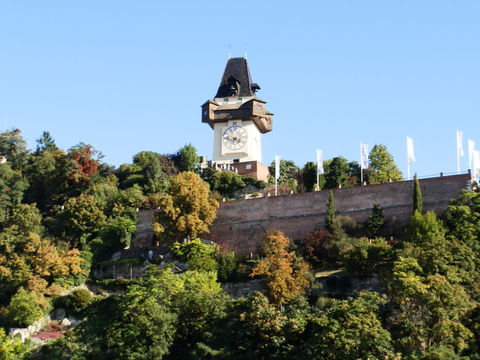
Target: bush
[(78, 300), (367, 256), (227, 265), (24, 308), (12, 348), (197, 255), (314, 246)]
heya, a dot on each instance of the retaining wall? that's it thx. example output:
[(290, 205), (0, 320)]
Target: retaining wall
[(241, 224)]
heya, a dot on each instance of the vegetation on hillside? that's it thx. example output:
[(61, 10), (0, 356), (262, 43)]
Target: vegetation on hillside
[(62, 211)]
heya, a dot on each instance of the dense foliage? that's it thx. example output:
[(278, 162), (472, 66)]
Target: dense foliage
[(61, 211)]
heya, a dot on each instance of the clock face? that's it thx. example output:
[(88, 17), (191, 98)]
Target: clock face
[(234, 137)]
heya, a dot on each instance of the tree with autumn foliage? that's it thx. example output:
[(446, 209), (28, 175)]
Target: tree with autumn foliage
[(84, 163), (187, 210), (286, 275)]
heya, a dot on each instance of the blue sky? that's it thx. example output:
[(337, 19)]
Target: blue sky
[(127, 76)]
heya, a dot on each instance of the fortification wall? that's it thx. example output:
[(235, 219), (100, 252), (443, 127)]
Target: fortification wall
[(241, 224)]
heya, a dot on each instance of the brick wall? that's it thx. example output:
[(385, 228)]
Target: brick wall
[(241, 224)]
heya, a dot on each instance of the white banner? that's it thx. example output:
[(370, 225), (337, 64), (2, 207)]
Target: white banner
[(319, 162), (471, 149), (277, 167), (363, 156), (476, 164), (460, 143), (410, 150)]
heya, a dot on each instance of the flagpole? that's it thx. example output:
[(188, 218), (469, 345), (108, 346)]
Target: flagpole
[(458, 161), (276, 187), (361, 176)]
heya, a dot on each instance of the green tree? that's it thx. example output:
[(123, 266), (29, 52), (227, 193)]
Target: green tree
[(368, 256), (337, 173), (417, 195), (349, 329), (286, 275), (289, 173), (12, 348), (12, 186), (376, 221), (197, 255), (187, 158), (424, 228), (146, 171), (462, 219), (309, 175), (269, 331), (427, 310), (24, 308), (82, 218), (187, 210), (382, 166), (330, 211), (14, 148), (227, 182), (45, 143)]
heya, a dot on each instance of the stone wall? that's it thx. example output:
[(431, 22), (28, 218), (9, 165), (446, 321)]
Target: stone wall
[(241, 224)]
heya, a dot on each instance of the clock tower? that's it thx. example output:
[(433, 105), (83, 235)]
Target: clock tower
[(238, 119)]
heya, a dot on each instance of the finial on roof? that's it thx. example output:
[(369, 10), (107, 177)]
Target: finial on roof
[(229, 51), (246, 54)]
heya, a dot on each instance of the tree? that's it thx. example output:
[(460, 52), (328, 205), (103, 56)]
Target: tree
[(462, 219), (382, 166), (424, 228), (309, 176), (187, 158), (197, 255), (12, 186), (14, 148), (368, 256), (84, 163), (330, 211), (45, 143), (337, 173), (288, 173), (82, 217), (428, 310), (24, 308), (285, 274), (187, 210), (349, 329), (376, 221), (227, 182), (12, 348), (417, 195)]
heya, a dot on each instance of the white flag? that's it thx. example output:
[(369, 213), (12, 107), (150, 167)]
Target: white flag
[(363, 156), (476, 164), (410, 151), (319, 162), (277, 167), (471, 149), (460, 143)]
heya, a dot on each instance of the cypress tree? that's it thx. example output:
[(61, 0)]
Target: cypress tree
[(417, 196), (376, 221), (331, 211)]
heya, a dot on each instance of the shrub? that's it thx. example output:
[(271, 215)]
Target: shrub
[(197, 255), (227, 265), (24, 308), (367, 255), (314, 245), (78, 300)]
